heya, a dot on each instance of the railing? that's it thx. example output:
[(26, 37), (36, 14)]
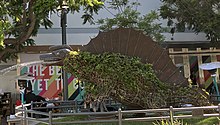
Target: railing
[(67, 105), (118, 116), (22, 115)]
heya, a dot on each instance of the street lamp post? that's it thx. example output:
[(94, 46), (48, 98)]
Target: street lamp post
[(59, 52), (64, 10)]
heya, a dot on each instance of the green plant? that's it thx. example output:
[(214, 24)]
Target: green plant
[(195, 15), (167, 122), (123, 78), (21, 19), (128, 16), (127, 80)]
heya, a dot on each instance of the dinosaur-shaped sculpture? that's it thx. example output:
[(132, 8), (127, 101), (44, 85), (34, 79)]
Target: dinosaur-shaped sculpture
[(130, 67)]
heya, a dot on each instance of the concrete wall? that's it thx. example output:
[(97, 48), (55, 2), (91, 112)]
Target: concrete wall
[(7, 82)]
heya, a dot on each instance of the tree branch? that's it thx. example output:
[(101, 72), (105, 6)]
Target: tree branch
[(27, 31), (6, 50), (10, 41), (24, 19)]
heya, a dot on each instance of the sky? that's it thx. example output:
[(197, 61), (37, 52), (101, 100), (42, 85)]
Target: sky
[(75, 21)]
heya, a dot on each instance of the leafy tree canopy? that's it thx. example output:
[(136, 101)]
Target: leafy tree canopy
[(128, 16), (20, 19), (196, 15)]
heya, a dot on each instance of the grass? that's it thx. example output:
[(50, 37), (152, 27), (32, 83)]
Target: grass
[(202, 121), (193, 121), (81, 118)]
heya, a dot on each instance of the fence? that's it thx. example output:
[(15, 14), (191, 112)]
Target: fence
[(118, 116)]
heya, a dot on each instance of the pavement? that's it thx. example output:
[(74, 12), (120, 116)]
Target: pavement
[(17, 121)]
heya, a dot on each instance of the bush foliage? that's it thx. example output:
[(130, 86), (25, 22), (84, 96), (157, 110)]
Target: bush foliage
[(125, 79)]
